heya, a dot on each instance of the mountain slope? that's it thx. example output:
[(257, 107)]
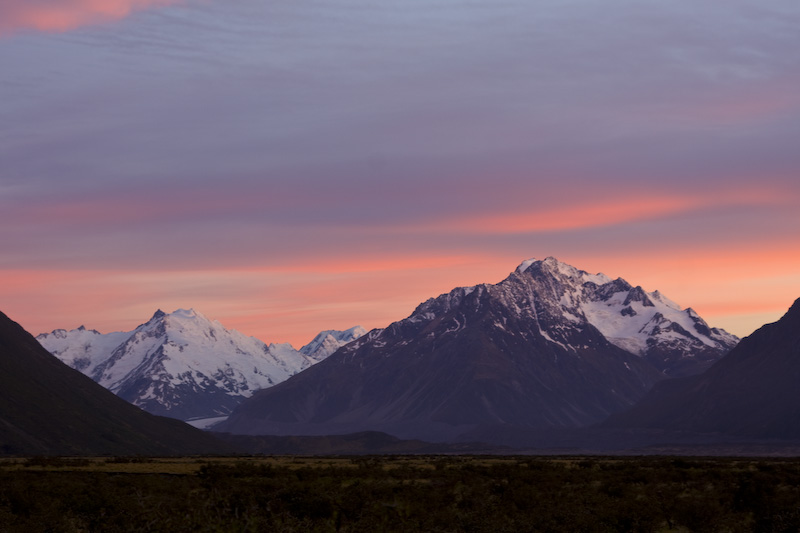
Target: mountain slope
[(184, 365), (47, 407), (750, 392), (525, 352)]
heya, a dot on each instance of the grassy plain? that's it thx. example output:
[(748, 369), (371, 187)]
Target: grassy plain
[(399, 493)]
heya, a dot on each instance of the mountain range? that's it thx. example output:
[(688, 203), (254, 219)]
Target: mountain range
[(551, 346), (185, 365), (550, 358), (48, 408)]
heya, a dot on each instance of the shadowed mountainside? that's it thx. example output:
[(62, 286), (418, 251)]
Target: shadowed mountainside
[(751, 392)]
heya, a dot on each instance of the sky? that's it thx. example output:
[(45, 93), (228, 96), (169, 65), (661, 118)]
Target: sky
[(290, 166)]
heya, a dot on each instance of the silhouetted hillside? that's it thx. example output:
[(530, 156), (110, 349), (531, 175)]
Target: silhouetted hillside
[(753, 391)]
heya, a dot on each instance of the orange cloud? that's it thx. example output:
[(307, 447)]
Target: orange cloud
[(362, 263), (735, 288), (63, 15), (627, 208), (289, 303)]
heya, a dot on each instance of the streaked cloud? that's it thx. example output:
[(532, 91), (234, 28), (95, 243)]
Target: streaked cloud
[(614, 209), (294, 166)]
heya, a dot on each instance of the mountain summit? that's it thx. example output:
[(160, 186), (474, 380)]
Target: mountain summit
[(549, 346), (676, 341), (185, 365)]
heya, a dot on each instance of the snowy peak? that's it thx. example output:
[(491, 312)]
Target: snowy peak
[(554, 267), (637, 294), (677, 341), (327, 342), (181, 364), (186, 313)]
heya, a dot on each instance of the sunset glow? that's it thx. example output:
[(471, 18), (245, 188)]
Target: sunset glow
[(289, 167)]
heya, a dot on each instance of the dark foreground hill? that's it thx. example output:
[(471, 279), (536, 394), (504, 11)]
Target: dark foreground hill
[(754, 391), (48, 408)]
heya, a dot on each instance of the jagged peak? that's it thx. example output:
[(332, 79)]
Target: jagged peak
[(179, 314), (339, 334), (477, 289), (329, 340), (638, 294), (554, 266), (63, 333), (57, 333), (281, 348), (360, 330), (186, 313), (664, 300)]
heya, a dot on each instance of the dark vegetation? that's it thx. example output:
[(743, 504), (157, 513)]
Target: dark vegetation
[(399, 493)]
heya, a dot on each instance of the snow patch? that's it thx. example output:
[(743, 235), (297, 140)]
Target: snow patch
[(206, 423)]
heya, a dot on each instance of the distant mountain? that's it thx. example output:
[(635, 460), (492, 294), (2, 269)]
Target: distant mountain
[(184, 365), (550, 346), (48, 408), (327, 342), (751, 392)]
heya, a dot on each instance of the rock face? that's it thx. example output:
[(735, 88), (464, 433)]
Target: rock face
[(47, 407), (184, 365), (550, 346), (751, 392)]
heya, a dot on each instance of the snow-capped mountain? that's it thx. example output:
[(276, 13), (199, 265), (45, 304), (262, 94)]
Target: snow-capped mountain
[(327, 342), (560, 299), (183, 364), (550, 346)]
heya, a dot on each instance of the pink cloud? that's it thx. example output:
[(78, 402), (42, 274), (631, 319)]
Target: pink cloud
[(286, 304), (64, 15), (627, 208)]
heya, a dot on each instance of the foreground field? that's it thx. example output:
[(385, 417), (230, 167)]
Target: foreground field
[(399, 493)]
